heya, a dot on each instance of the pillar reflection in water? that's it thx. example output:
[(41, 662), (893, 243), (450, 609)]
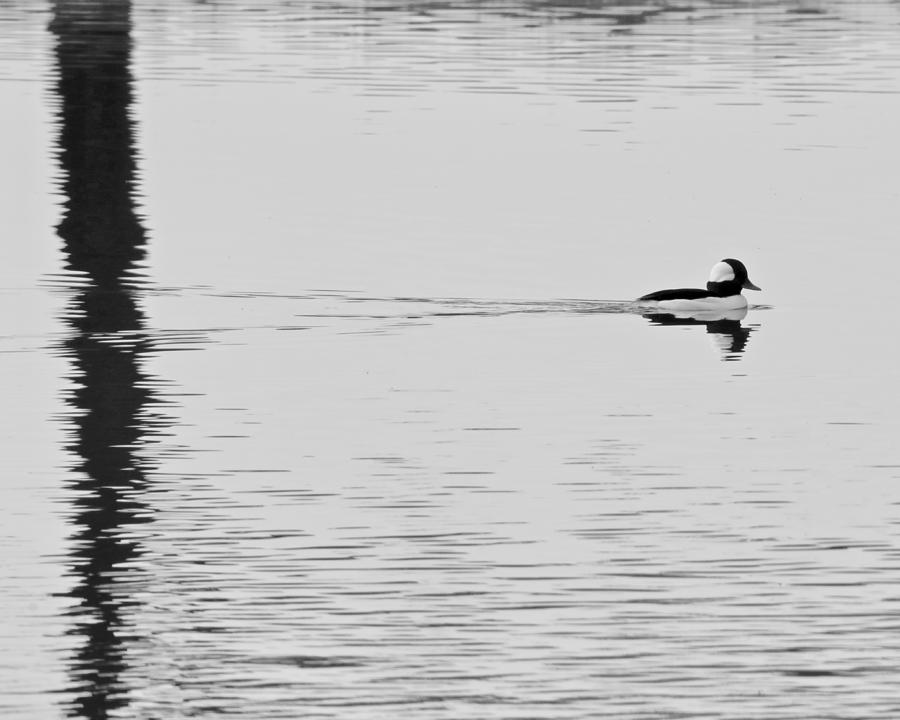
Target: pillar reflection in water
[(103, 243)]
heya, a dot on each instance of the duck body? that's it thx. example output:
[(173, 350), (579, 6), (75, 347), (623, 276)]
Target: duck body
[(723, 291)]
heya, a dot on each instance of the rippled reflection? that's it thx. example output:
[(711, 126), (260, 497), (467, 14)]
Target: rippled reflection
[(725, 327), (103, 242), (597, 51)]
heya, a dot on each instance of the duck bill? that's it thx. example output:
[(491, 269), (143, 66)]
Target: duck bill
[(749, 285)]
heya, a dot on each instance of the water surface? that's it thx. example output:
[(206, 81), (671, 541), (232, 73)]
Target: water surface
[(324, 394)]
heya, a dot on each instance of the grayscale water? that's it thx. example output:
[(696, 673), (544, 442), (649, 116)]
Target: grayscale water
[(322, 392)]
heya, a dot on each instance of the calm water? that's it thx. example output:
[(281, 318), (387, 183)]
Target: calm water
[(322, 393)]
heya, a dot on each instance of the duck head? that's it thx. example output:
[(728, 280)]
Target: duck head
[(729, 277)]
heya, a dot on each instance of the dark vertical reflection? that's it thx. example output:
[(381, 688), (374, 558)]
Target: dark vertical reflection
[(103, 242)]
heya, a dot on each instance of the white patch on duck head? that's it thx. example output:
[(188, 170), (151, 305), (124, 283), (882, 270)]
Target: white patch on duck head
[(721, 272)]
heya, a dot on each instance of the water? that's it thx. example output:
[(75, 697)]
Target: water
[(323, 393)]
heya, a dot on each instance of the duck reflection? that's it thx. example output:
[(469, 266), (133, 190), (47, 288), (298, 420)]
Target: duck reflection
[(725, 327), (103, 244)]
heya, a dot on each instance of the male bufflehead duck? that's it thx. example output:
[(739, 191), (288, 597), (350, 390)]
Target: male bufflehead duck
[(723, 291)]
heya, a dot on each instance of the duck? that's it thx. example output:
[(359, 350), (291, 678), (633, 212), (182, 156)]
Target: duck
[(723, 291)]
